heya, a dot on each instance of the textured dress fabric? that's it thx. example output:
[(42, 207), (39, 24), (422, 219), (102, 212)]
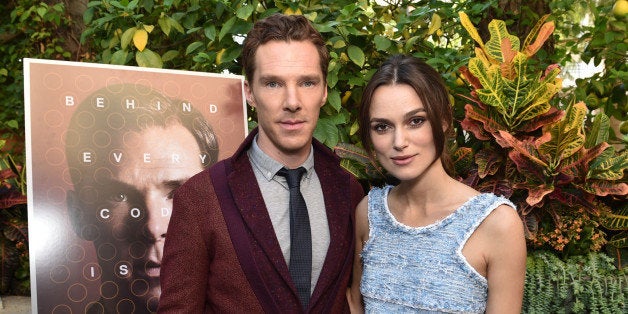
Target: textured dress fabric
[(422, 269)]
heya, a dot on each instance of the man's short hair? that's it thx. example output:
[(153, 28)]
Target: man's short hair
[(282, 28)]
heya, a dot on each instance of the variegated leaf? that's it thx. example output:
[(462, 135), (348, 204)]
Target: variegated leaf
[(491, 125), (573, 197), (480, 70), (483, 57), (552, 116), (488, 162), (608, 165), (497, 187), (522, 148), (469, 77), (545, 32), (578, 164), (619, 240), (604, 188), (567, 137), (534, 31), (536, 193), (353, 152), (599, 131), (530, 112), (507, 66), (499, 32), (466, 22), (354, 168), (617, 220), (526, 166), (462, 159), (534, 101)]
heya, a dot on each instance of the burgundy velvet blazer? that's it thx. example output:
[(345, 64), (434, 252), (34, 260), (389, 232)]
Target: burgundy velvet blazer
[(201, 270)]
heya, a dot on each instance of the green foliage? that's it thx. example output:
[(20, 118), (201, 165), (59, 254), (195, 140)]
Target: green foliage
[(205, 35), (606, 44), (14, 278), (30, 28), (580, 284), (522, 148)]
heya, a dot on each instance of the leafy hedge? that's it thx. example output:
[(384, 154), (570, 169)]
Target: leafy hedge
[(205, 35)]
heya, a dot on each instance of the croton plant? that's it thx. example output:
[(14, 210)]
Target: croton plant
[(553, 162)]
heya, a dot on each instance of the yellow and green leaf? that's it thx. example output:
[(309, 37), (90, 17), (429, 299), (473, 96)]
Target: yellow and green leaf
[(499, 33)]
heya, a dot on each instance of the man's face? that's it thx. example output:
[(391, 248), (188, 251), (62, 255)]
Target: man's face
[(287, 90), (134, 202)]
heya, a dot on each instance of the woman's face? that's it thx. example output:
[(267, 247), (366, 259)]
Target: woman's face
[(400, 132)]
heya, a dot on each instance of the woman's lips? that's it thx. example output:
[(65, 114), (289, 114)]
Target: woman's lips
[(402, 160)]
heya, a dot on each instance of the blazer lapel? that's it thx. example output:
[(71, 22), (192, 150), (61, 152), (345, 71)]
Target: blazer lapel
[(338, 207), (250, 202)]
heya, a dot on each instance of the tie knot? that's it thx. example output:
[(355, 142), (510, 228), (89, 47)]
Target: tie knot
[(293, 176)]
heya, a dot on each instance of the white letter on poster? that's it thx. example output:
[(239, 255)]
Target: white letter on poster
[(147, 157), (69, 101), (130, 104), (202, 156), (213, 108), (165, 212), (175, 159), (87, 157), (104, 213), (124, 270), (186, 106), (117, 157), (100, 102), (135, 212)]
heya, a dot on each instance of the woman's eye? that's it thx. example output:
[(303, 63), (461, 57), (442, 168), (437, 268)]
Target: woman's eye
[(417, 121), (380, 127)]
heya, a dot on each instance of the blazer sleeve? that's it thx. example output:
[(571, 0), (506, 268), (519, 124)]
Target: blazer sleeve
[(357, 193), (186, 257)]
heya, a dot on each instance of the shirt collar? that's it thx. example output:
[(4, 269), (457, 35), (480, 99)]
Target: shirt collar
[(269, 167)]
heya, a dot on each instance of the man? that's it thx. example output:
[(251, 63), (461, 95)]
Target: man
[(128, 149), (229, 240)]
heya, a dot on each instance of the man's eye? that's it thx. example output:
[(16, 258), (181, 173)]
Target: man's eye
[(170, 194), (272, 84), (118, 197), (309, 84)]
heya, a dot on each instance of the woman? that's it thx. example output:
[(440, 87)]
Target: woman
[(430, 243)]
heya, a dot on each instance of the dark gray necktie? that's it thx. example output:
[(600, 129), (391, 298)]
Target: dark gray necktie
[(300, 235)]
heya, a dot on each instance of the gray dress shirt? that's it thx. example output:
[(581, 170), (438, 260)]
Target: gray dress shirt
[(276, 196)]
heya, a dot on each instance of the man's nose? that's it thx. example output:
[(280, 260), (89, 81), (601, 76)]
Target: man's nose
[(292, 101), (158, 216)]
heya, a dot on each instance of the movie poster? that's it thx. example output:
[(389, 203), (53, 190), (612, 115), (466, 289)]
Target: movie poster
[(106, 148)]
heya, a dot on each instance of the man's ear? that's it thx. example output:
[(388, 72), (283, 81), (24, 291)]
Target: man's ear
[(75, 213), (324, 98), (248, 93)]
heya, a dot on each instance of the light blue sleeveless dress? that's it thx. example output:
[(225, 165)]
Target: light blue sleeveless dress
[(422, 269)]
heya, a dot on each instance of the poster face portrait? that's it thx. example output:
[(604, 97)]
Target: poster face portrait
[(107, 146)]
